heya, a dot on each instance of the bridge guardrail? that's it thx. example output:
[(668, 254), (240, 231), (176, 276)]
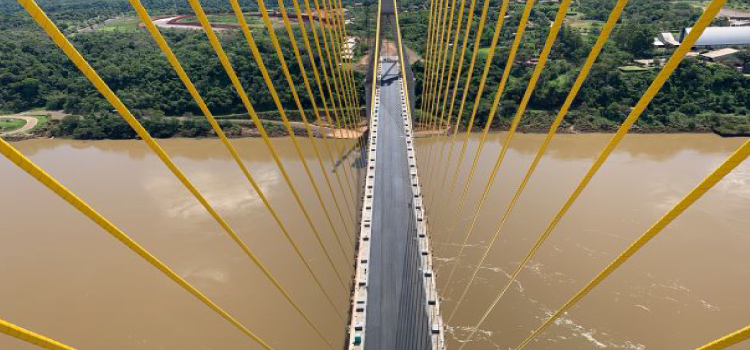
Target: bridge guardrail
[(432, 300), (359, 298)]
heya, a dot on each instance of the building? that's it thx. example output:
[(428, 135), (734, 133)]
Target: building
[(719, 37), (739, 23), (648, 63), (734, 14), (720, 56), (665, 40), (347, 51), (668, 39)]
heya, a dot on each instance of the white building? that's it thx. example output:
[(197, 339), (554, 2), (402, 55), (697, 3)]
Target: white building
[(347, 52), (718, 37), (665, 40)]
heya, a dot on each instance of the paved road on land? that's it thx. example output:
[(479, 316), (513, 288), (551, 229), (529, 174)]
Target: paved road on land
[(395, 295)]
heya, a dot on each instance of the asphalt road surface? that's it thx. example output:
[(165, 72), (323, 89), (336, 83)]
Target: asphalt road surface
[(396, 316)]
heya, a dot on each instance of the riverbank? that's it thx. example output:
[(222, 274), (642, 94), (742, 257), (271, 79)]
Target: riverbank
[(582, 122), (56, 124), (26, 124)]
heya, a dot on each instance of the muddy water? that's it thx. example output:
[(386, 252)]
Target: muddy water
[(64, 277), (689, 286)]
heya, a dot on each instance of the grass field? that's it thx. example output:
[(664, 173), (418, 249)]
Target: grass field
[(585, 24), (633, 69), (42, 121), (7, 125), (575, 20), (124, 24)]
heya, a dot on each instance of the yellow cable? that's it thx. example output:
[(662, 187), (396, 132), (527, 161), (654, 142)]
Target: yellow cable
[(316, 74), (488, 61), (426, 63), (33, 9), (349, 70), (725, 168), (442, 57), (47, 180), (438, 137), (556, 25), (430, 163), (404, 85), (336, 100), (376, 63), (437, 54), (30, 337), (430, 64), (439, 190), (214, 41), (343, 107), (269, 83), (602, 39), (335, 69), (477, 41), (434, 51), (306, 83), (337, 43), (149, 24), (727, 341), (335, 106), (705, 19), (438, 122), (438, 59), (336, 48)]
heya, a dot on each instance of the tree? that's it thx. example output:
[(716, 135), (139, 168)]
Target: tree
[(635, 38), (28, 89), (570, 45)]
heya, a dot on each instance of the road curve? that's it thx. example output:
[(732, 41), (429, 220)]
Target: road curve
[(30, 123)]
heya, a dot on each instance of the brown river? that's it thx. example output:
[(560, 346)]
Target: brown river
[(64, 277)]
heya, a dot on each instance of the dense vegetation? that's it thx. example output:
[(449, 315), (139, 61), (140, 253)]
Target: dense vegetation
[(34, 73), (698, 97), (71, 14)]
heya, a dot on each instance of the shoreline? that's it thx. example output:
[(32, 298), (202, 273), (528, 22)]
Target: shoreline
[(417, 135), (275, 128)]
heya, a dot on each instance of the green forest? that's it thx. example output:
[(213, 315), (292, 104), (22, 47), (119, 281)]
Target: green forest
[(35, 74), (699, 97)]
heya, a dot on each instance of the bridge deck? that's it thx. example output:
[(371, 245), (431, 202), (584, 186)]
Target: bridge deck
[(396, 317), (395, 302)]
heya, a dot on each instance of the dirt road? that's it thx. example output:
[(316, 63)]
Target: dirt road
[(30, 123)]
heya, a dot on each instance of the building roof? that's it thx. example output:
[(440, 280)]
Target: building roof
[(716, 36), (644, 62), (668, 38), (738, 22), (658, 42), (720, 53)]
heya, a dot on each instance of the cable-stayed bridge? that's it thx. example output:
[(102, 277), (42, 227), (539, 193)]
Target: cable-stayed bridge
[(395, 303)]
